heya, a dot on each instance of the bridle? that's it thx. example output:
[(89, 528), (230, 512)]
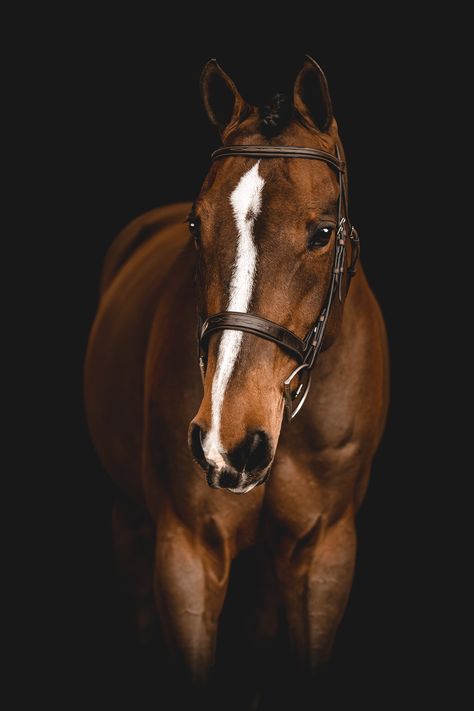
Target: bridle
[(305, 351)]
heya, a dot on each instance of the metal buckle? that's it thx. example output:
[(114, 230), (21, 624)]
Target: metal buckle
[(341, 229), (299, 396)]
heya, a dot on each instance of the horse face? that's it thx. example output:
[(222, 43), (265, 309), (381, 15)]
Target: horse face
[(265, 233)]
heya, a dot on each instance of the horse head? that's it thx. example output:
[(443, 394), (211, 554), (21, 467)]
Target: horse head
[(265, 233)]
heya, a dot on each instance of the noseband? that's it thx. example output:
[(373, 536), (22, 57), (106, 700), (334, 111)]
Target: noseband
[(304, 351)]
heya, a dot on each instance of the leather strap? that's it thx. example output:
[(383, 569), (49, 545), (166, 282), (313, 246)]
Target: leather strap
[(279, 152), (257, 325)]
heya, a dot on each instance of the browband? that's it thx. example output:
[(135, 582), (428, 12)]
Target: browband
[(279, 152)]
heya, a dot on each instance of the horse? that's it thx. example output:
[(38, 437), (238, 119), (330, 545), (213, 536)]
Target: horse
[(205, 465)]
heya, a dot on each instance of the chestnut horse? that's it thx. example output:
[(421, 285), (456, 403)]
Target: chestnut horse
[(263, 235)]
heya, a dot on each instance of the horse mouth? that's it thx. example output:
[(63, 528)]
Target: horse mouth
[(243, 489), (229, 481)]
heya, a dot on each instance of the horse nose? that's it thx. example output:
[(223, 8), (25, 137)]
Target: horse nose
[(252, 454)]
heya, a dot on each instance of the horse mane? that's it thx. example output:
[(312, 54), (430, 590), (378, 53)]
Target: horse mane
[(275, 115)]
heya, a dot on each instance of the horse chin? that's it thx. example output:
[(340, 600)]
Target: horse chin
[(242, 487)]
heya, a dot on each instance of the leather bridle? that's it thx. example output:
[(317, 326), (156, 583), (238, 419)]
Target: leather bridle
[(305, 351)]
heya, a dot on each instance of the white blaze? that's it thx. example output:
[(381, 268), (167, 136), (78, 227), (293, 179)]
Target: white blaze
[(246, 201)]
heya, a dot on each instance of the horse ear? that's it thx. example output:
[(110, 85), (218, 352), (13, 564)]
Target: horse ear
[(311, 96), (222, 101)]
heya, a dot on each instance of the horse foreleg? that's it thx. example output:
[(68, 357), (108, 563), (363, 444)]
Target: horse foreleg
[(315, 574), (191, 577), (133, 536)]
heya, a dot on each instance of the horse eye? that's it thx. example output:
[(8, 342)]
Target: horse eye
[(320, 236), (195, 229)]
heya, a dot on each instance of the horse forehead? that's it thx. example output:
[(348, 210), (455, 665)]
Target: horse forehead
[(289, 187), (285, 180)]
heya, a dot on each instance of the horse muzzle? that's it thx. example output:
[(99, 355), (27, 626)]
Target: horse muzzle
[(238, 470)]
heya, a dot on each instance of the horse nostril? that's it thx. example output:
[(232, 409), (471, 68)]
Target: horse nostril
[(253, 453), (195, 438)]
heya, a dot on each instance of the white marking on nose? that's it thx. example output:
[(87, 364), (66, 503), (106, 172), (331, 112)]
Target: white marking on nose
[(246, 200)]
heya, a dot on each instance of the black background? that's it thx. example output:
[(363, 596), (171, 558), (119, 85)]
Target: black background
[(120, 110)]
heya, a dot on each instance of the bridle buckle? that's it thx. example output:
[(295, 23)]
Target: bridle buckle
[(341, 230), (294, 401)]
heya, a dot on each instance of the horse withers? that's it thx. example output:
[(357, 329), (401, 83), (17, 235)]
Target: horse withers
[(204, 466)]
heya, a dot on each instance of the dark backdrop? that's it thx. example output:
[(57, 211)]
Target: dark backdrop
[(123, 113)]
